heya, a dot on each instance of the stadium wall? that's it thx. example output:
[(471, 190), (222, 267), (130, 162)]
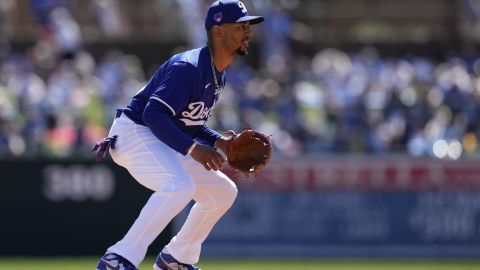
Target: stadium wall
[(315, 207)]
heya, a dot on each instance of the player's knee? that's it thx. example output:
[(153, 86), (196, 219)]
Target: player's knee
[(229, 195)]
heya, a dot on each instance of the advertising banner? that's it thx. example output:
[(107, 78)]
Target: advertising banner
[(66, 207), (354, 207)]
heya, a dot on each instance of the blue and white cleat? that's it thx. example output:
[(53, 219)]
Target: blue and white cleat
[(112, 261), (165, 261)]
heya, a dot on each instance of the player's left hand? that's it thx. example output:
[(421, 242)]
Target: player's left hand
[(222, 142), (249, 152), (104, 145)]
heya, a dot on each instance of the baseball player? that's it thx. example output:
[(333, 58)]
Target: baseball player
[(162, 140)]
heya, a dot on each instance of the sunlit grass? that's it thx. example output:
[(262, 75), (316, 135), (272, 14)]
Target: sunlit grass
[(90, 263)]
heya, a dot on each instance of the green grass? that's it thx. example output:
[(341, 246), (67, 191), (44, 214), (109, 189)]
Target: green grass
[(90, 263)]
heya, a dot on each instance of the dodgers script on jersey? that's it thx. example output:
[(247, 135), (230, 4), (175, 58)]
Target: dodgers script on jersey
[(185, 88)]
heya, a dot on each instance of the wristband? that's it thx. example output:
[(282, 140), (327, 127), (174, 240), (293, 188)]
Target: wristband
[(191, 148)]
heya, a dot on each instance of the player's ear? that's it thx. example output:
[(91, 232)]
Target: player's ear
[(218, 31)]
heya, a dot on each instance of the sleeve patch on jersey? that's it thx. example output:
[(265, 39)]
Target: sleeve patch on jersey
[(164, 103)]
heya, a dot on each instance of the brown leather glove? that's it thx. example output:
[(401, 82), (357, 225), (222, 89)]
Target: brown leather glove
[(249, 152)]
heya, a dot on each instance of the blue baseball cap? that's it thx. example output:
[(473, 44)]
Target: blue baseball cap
[(228, 11)]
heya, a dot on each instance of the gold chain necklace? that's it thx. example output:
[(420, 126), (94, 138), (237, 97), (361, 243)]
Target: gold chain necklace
[(218, 90)]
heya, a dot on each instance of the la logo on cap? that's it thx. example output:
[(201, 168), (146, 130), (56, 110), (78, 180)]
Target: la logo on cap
[(242, 7), (218, 17)]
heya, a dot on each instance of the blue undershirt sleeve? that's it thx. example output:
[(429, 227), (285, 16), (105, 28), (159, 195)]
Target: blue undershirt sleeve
[(162, 126), (207, 136)]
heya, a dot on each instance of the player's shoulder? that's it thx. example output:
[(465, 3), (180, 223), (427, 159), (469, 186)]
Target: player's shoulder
[(191, 58), (188, 64)]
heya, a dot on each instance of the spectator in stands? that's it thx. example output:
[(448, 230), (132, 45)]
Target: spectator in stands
[(54, 97)]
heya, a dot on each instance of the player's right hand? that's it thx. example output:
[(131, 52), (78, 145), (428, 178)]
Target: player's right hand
[(208, 157)]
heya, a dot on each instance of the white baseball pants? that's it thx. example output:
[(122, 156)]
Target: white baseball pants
[(175, 180)]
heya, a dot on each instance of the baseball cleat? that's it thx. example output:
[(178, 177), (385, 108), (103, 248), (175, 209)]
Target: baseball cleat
[(165, 261), (112, 261)]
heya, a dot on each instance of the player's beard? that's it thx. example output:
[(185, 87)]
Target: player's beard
[(242, 52)]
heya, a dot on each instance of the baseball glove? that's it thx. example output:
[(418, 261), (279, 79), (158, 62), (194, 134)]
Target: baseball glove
[(249, 152)]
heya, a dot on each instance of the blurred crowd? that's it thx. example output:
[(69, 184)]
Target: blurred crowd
[(56, 99)]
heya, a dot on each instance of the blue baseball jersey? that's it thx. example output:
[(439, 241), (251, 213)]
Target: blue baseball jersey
[(185, 88)]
